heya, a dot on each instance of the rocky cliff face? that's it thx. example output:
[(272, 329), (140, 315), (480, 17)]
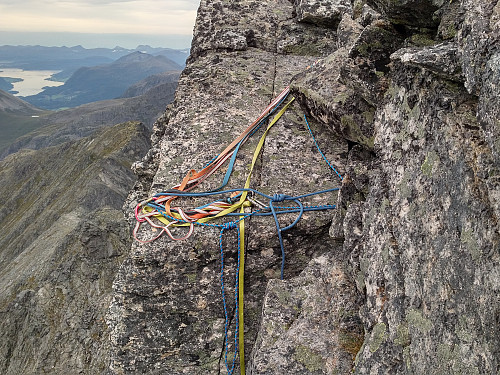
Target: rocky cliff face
[(404, 277)]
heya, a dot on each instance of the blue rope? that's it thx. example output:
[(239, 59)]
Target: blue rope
[(321, 152), (287, 210), (179, 193), (228, 226), (276, 198), (281, 198)]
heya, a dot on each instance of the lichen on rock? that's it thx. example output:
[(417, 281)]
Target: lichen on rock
[(403, 277)]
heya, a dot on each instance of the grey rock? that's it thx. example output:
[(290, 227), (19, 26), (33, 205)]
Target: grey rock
[(478, 42), (488, 111), (235, 26), (230, 40), (222, 25), (322, 12), (442, 59), (409, 12), (368, 15), (452, 17), (348, 31), (478, 38), (330, 101), (304, 327), (427, 235), (346, 223), (305, 39), (368, 63), (403, 278)]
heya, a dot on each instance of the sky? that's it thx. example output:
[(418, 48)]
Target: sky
[(98, 23)]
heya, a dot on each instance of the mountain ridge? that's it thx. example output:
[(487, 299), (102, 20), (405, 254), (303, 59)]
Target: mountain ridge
[(102, 82), (53, 128), (13, 104), (64, 58), (58, 204), (141, 87)]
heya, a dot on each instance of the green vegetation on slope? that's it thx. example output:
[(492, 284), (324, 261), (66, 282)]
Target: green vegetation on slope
[(13, 126), (17, 118), (62, 239)]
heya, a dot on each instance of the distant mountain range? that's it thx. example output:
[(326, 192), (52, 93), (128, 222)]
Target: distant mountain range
[(102, 82), (24, 126), (72, 58), (134, 86)]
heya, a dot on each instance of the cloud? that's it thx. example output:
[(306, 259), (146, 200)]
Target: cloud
[(100, 16)]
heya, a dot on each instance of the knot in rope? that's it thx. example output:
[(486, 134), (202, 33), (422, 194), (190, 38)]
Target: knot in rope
[(229, 225), (159, 207), (279, 197)]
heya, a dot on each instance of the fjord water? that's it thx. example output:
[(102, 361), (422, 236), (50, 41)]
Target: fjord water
[(33, 81)]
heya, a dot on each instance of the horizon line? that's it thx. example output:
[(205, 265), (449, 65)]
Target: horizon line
[(94, 40), (79, 45)]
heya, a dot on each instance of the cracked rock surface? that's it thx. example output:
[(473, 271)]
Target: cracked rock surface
[(167, 314), (404, 277)]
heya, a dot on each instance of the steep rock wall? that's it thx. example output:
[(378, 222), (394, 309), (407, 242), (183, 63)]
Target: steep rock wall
[(167, 314), (403, 278)]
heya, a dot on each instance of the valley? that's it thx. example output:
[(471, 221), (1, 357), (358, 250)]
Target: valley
[(134, 87), (65, 173)]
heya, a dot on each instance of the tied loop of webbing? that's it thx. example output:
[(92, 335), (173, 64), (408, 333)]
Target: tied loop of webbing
[(159, 207)]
